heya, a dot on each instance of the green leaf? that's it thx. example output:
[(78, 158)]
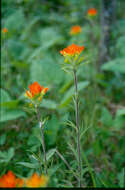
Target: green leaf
[(50, 36), (84, 131), (106, 117), (29, 27), (40, 71), (8, 111), (33, 138), (6, 156), (11, 104), (29, 165), (49, 104), (2, 139), (71, 124), (2, 154), (11, 21), (66, 85), (117, 65), (68, 95), (119, 120), (118, 123), (11, 153), (5, 97), (20, 50), (120, 112), (53, 169), (121, 178), (50, 153), (6, 115), (51, 129), (36, 157)]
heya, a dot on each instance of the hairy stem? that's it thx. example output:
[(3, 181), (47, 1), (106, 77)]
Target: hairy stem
[(77, 125), (43, 141)]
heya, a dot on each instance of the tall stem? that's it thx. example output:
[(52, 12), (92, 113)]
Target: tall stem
[(77, 125), (43, 141)]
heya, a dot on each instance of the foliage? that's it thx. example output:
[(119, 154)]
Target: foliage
[(37, 31)]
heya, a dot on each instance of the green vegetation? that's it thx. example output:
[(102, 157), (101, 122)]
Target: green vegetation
[(30, 51)]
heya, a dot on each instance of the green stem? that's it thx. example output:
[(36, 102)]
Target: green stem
[(77, 125), (43, 141)]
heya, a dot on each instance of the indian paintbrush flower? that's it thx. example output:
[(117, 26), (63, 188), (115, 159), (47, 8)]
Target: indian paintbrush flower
[(37, 181), (92, 12), (4, 30), (72, 60), (75, 30), (72, 50), (10, 180), (36, 92), (72, 56)]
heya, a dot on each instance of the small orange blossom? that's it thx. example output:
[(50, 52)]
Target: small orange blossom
[(35, 90), (10, 180), (92, 12), (72, 50), (5, 30), (37, 181), (75, 30)]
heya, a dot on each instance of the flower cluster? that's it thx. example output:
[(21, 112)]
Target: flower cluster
[(92, 12), (10, 180), (72, 57), (37, 181), (36, 92), (72, 50), (75, 30), (4, 30)]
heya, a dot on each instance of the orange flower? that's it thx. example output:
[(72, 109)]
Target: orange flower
[(92, 12), (72, 50), (45, 90), (37, 181), (19, 182), (75, 30), (35, 90), (10, 180), (5, 30)]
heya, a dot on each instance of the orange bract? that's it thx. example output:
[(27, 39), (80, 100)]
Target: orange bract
[(75, 29), (37, 181), (5, 30), (19, 182), (35, 89), (10, 180), (92, 12), (72, 50)]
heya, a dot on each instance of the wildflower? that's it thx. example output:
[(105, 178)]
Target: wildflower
[(19, 182), (37, 181), (5, 30), (10, 180), (75, 30), (72, 50), (36, 91), (92, 12), (72, 57)]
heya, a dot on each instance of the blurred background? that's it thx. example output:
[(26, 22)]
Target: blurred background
[(30, 51)]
